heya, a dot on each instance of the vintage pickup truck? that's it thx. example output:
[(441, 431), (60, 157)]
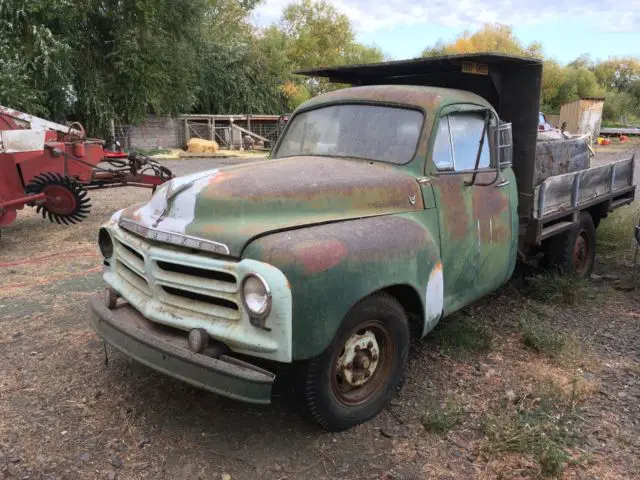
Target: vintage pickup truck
[(382, 209)]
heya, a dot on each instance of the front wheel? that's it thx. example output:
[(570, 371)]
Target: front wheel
[(574, 252), (358, 374)]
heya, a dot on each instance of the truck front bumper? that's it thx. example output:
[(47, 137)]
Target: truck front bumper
[(167, 351)]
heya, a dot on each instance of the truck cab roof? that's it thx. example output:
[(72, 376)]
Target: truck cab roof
[(431, 98), (510, 84)]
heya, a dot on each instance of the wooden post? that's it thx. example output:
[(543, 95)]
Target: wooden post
[(248, 121), (231, 142), (186, 132), (213, 129)]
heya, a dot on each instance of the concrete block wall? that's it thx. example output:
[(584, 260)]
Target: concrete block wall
[(154, 132)]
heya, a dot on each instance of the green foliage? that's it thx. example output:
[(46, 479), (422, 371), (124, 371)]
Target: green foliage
[(620, 107), (460, 335), (616, 232), (317, 33), (34, 62), (490, 38), (539, 336), (94, 61), (313, 33), (558, 289), (618, 78)]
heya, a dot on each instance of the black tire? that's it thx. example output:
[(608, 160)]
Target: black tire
[(574, 252), (330, 399)]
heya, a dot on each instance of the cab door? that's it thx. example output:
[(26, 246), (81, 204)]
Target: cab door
[(474, 211)]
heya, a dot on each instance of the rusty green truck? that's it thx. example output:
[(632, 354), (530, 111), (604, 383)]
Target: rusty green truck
[(383, 208)]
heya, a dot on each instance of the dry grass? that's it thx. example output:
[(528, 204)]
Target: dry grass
[(542, 424)]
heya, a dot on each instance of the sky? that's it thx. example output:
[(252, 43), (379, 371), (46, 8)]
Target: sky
[(566, 29)]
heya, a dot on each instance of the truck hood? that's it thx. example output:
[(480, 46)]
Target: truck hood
[(232, 205)]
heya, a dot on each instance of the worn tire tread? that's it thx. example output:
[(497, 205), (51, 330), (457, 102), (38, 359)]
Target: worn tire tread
[(314, 407)]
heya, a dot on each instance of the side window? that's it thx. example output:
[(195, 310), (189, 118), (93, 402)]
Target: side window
[(442, 153), (466, 130)]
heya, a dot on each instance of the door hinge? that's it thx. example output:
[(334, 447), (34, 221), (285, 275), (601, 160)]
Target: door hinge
[(424, 180)]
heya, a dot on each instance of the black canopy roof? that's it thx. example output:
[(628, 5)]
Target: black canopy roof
[(415, 68)]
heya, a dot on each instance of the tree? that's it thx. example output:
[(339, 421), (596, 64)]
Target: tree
[(619, 107), (317, 34), (240, 69), (618, 73), (496, 38), (312, 33), (553, 77), (34, 62)]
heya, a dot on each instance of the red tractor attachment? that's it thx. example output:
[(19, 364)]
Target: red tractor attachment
[(51, 167)]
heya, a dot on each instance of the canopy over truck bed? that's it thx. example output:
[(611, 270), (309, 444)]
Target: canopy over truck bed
[(510, 84)]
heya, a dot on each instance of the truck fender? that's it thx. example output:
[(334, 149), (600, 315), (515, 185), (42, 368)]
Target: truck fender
[(333, 266)]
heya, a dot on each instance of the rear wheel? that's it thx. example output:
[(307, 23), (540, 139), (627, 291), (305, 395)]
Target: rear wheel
[(358, 374), (573, 252)]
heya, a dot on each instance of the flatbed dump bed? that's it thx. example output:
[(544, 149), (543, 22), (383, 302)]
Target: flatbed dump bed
[(559, 199)]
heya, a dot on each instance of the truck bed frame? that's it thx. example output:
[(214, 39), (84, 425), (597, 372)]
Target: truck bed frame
[(559, 200)]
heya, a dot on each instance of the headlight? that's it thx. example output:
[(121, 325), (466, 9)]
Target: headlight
[(256, 296), (105, 243)]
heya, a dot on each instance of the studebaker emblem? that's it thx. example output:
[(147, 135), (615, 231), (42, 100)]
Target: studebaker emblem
[(412, 199)]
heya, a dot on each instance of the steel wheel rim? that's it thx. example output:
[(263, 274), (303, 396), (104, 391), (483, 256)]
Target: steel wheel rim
[(350, 395), (581, 253), (60, 199)]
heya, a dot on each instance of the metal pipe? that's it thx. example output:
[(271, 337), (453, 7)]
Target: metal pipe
[(23, 200)]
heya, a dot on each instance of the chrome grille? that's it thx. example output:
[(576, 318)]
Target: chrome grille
[(187, 282)]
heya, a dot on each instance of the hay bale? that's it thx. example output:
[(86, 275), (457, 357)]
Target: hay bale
[(200, 145)]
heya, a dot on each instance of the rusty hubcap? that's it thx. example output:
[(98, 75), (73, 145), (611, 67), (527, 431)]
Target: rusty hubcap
[(363, 365), (581, 253)]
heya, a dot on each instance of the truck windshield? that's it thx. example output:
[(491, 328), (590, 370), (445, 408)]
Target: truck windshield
[(372, 132)]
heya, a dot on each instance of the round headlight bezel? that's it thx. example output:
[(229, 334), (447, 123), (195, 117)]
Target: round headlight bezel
[(105, 243), (267, 310)]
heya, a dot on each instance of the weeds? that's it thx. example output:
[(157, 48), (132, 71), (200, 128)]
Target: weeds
[(441, 418), (559, 289), (460, 335), (616, 232), (539, 336), (542, 424)]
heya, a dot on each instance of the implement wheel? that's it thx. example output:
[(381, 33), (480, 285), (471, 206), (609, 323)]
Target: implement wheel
[(358, 374), (574, 251), (66, 200)]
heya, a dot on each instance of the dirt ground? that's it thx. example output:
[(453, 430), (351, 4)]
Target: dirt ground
[(64, 414)]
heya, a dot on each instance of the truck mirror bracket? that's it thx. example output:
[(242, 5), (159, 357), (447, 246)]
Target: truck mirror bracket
[(487, 117)]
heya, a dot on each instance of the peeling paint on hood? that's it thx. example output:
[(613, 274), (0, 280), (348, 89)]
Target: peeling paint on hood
[(235, 204)]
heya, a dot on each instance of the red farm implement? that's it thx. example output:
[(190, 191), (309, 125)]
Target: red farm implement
[(51, 167)]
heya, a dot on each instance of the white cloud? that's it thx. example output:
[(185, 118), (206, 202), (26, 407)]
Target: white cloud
[(372, 15)]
